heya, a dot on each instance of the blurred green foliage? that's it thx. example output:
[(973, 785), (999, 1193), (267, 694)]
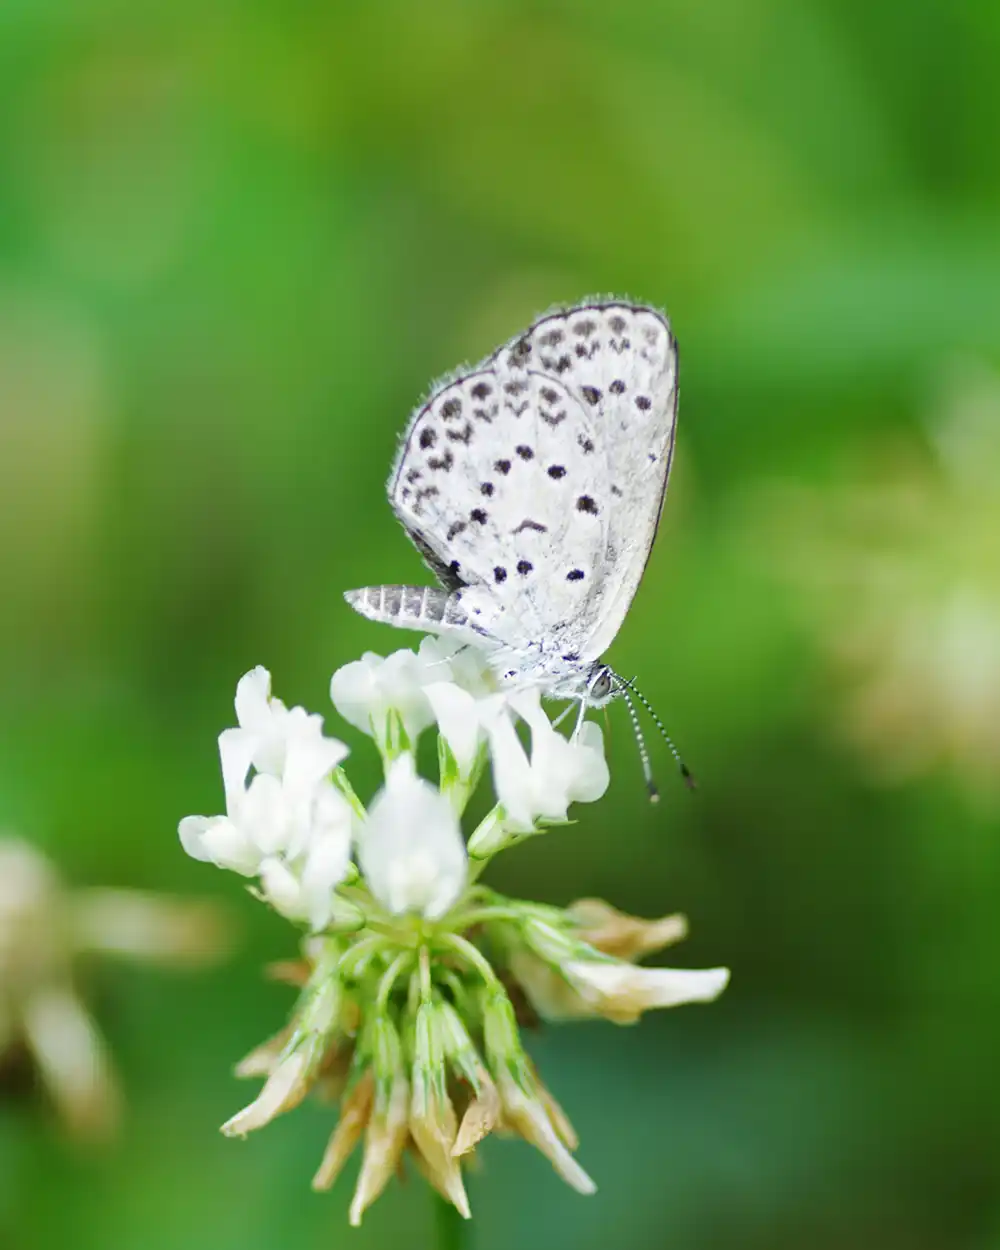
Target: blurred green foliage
[(236, 243)]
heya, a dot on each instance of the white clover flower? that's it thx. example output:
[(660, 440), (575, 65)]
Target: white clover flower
[(558, 771), (367, 690), (411, 849), (289, 825)]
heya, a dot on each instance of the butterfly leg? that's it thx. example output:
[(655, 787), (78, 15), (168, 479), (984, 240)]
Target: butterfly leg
[(562, 716), (579, 720)]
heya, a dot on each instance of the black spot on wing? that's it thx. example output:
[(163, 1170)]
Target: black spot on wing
[(464, 435)]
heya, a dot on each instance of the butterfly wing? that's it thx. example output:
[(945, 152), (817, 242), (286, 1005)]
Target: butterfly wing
[(536, 482), (495, 484), (619, 363)]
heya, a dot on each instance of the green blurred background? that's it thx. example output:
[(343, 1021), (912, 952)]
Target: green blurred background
[(236, 243)]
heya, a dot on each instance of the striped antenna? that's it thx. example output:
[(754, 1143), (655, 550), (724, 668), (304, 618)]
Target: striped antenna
[(647, 772), (626, 686)]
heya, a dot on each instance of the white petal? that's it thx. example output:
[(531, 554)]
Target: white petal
[(325, 868), (191, 832), (403, 678), (560, 772), (631, 988), (364, 691), (267, 816), (457, 716), (410, 848), (459, 662), (512, 777), (354, 691), (219, 840), (253, 693), (236, 749), (310, 757), (282, 889), (566, 771), (591, 776)]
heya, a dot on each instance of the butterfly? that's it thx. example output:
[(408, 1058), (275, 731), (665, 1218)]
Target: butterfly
[(533, 486)]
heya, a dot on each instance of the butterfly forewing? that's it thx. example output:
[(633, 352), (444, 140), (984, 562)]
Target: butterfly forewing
[(496, 479)]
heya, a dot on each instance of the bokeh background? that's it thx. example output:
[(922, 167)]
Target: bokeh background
[(237, 241)]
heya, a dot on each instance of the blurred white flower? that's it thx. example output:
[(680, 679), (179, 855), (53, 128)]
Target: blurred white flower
[(898, 574), (411, 849), (45, 929), (289, 824)]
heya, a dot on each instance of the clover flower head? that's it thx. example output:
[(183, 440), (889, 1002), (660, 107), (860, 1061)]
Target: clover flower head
[(405, 1010)]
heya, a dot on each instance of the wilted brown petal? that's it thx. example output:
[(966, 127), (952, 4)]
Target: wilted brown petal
[(546, 989), (434, 1128), (627, 937), (354, 1112), (560, 1120), (284, 1089), (385, 1141), (480, 1116), (529, 1117), (294, 972), (262, 1059), (434, 1179)]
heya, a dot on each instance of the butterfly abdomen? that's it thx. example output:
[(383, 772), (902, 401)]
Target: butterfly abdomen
[(409, 607)]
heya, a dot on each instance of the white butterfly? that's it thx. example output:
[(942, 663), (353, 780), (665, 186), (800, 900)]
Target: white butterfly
[(533, 485)]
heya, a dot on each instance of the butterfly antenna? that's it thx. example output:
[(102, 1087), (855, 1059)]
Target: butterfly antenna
[(627, 685), (647, 772)]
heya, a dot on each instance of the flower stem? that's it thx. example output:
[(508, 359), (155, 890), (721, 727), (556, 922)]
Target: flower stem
[(452, 1232)]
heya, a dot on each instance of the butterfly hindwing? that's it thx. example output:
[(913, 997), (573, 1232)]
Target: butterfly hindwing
[(619, 361)]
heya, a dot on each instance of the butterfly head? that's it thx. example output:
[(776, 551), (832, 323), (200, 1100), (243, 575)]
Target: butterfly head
[(603, 685)]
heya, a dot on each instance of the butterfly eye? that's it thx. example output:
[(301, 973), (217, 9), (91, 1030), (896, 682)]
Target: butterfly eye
[(601, 687)]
